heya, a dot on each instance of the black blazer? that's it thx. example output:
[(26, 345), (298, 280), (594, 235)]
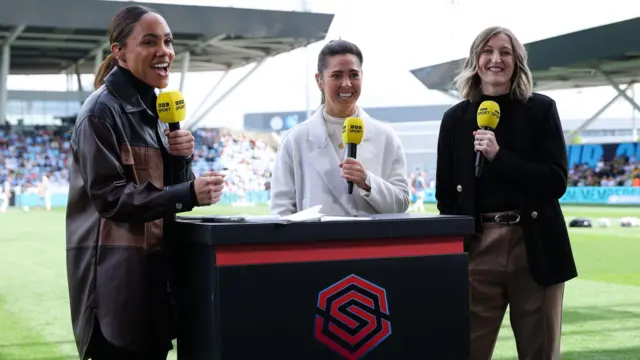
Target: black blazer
[(533, 158)]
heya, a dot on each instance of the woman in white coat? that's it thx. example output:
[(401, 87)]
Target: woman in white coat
[(311, 167)]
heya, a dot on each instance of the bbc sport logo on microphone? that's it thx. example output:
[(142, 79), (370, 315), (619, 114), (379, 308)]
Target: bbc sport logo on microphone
[(164, 107), (484, 111), (354, 129)]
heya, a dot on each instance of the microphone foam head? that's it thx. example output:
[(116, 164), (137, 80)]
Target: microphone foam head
[(352, 130), (171, 107), (488, 114)]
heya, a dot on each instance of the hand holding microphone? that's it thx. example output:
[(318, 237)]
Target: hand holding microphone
[(172, 110), (352, 169), (485, 142)]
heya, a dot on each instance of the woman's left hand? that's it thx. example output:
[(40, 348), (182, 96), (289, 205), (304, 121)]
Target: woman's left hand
[(353, 170), (485, 142)]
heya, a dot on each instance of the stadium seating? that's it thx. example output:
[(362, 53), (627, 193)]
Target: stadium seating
[(29, 154)]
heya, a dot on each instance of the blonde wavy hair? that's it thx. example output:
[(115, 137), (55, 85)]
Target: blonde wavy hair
[(468, 81)]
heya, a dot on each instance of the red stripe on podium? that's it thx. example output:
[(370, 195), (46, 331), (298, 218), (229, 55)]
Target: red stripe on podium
[(292, 252)]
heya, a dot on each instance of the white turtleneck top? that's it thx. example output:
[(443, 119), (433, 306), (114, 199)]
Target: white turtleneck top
[(334, 131)]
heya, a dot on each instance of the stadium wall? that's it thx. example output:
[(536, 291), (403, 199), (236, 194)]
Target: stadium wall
[(584, 195)]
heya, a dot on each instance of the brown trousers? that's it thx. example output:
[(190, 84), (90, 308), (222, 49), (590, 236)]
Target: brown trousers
[(499, 276)]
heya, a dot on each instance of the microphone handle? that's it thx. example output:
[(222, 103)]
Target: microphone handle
[(174, 126), (352, 150), (479, 163), (480, 158)]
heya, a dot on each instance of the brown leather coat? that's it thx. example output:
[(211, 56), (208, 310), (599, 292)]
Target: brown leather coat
[(121, 202)]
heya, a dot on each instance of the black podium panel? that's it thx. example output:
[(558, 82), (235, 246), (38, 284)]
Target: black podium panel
[(395, 287), (396, 308)]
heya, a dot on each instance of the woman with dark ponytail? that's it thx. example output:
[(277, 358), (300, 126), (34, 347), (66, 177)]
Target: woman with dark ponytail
[(105, 68), (311, 166), (129, 176)]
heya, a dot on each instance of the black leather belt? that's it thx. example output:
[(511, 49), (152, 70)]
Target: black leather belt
[(506, 218)]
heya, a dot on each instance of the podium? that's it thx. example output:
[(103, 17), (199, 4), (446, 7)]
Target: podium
[(391, 287)]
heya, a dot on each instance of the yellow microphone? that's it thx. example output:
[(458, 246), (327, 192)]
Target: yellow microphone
[(171, 108), (487, 117), (352, 134)]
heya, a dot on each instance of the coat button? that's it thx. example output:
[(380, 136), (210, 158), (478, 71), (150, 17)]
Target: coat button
[(534, 214), (459, 188)]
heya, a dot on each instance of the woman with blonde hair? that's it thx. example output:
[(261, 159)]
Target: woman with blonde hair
[(520, 255)]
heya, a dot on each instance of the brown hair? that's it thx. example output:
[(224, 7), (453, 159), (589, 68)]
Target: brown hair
[(120, 29), (468, 81)]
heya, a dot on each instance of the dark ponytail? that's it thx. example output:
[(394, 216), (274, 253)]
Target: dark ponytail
[(120, 29), (333, 48), (105, 68)]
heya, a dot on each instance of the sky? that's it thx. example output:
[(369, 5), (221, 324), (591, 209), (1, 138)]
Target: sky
[(395, 37)]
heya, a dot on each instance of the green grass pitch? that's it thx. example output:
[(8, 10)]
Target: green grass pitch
[(601, 315)]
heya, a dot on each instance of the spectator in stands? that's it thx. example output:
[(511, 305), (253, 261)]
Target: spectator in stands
[(129, 177), (418, 184), (44, 190), (520, 255), (245, 159), (31, 152), (618, 171), (5, 194), (311, 168)]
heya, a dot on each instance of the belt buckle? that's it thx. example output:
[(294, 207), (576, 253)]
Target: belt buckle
[(497, 219)]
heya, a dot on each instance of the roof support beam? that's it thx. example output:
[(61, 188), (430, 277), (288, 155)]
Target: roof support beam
[(13, 35), (213, 89), (55, 36), (78, 77), (251, 52), (214, 40), (452, 94), (4, 70), (96, 52), (54, 44), (630, 100), (197, 120), (624, 94), (576, 132), (621, 93), (186, 59)]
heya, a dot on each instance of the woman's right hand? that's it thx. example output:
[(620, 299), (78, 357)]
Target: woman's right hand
[(209, 188)]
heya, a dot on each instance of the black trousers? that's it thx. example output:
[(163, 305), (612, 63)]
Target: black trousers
[(101, 349)]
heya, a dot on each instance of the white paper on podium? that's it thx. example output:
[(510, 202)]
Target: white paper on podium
[(344, 218), (312, 213)]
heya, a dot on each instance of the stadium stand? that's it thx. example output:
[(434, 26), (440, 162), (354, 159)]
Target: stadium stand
[(36, 162), (246, 160), (28, 155)]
